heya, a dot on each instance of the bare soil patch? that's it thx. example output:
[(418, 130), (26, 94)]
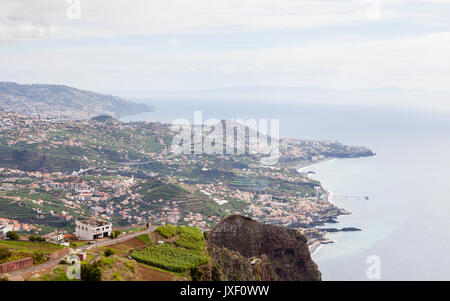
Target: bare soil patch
[(149, 274)]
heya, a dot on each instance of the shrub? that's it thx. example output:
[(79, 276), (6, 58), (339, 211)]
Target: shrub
[(39, 258), (91, 272), (117, 277), (131, 265), (109, 252), (4, 254), (196, 274), (60, 275)]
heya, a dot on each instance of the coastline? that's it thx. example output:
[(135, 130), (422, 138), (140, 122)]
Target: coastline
[(303, 165), (330, 217), (316, 244), (313, 248)]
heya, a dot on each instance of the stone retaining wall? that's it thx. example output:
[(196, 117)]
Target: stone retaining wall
[(16, 265), (59, 254)]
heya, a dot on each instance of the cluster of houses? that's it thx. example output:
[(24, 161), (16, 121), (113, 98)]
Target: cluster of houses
[(7, 225), (85, 229)]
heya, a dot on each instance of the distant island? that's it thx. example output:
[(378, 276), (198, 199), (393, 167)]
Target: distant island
[(57, 101)]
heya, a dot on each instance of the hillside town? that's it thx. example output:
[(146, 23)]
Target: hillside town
[(126, 173)]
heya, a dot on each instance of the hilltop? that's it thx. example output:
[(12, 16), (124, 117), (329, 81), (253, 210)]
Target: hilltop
[(64, 102)]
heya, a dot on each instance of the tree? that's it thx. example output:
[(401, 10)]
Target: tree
[(39, 258), (91, 272), (12, 235), (115, 234)]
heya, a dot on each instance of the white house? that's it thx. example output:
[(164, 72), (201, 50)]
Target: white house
[(4, 229), (92, 228)]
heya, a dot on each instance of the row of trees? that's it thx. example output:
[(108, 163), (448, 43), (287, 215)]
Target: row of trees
[(12, 235)]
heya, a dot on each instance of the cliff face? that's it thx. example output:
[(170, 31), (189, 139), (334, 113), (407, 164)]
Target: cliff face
[(277, 253), (227, 265)]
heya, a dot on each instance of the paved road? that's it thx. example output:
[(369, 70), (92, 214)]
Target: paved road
[(34, 269), (121, 238), (41, 267)]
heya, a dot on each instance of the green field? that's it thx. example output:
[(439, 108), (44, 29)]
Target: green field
[(30, 246), (144, 238), (190, 238), (167, 231)]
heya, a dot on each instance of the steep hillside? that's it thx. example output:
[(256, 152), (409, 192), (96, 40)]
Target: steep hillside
[(63, 101)]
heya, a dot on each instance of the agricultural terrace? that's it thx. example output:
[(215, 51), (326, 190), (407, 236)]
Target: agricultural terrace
[(188, 250), (14, 250)]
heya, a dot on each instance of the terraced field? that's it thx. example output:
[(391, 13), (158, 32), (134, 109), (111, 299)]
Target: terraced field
[(186, 251), (30, 246), (14, 250)]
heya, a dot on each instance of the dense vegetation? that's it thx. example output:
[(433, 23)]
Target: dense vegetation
[(190, 238), (91, 272), (186, 252), (167, 231), (14, 250)]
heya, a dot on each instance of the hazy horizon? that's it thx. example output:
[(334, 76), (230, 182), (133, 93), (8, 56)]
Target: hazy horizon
[(142, 48)]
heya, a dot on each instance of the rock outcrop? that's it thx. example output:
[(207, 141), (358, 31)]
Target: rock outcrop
[(273, 252), (228, 265)]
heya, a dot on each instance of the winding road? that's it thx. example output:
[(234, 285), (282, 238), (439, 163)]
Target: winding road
[(35, 269)]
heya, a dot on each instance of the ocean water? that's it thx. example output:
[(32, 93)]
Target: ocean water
[(406, 221)]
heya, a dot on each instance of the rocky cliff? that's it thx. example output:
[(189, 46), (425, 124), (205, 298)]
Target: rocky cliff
[(243, 248)]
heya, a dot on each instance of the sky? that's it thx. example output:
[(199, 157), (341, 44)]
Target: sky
[(139, 47)]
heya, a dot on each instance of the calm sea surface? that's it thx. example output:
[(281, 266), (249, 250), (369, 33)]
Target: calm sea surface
[(406, 221)]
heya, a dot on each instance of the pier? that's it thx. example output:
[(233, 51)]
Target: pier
[(348, 197)]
